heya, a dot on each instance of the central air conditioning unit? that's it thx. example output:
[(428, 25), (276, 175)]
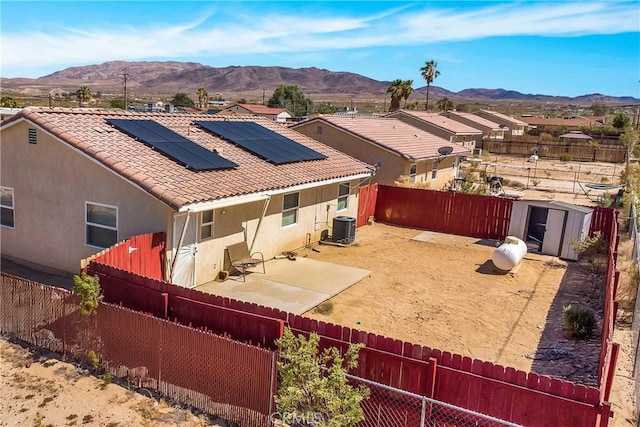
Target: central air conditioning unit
[(344, 230)]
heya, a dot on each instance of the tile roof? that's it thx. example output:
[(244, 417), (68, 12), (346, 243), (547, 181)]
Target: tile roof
[(505, 118), (476, 119), (175, 185), (261, 109), (578, 121), (392, 134), (440, 121)]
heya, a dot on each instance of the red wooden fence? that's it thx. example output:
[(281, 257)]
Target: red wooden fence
[(366, 203), (194, 367), (445, 212), (142, 255)]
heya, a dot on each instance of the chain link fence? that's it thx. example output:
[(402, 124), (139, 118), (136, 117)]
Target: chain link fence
[(390, 407), (635, 326)]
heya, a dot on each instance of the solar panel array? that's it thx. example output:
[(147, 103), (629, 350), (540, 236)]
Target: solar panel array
[(172, 144), (262, 142)]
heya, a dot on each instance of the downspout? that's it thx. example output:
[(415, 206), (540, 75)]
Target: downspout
[(175, 256), (264, 212)]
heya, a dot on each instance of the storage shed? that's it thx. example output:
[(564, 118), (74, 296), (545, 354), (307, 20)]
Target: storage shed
[(549, 227)]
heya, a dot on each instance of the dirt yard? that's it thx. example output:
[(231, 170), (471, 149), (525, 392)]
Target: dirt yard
[(39, 389), (444, 293), (551, 179)]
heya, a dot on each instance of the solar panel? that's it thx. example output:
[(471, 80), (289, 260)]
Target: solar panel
[(172, 144), (262, 142)]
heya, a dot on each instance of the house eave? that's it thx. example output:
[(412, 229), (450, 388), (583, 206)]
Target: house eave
[(264, 195)]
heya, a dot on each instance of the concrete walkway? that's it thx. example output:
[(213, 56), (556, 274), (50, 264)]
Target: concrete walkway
[(293, 286)]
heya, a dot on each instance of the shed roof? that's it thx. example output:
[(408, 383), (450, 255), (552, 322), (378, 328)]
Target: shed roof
[(87, 130), (575, 135)]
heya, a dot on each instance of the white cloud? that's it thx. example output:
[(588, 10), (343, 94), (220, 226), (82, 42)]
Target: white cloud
[(213, 37)]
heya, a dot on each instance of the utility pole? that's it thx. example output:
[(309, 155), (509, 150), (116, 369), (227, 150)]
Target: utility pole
[(263, 89), (126, 103)]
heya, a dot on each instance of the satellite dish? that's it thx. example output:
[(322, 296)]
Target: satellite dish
[(445, 151)]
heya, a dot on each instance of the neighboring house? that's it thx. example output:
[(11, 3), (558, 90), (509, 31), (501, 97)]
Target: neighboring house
[(279, 115), (490, 129), (393, 147), (74, 182), (6, 112), (562, 124), (517, 127), (441, 126)]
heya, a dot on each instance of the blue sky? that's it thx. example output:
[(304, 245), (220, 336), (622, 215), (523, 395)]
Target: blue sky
[(565, 47)]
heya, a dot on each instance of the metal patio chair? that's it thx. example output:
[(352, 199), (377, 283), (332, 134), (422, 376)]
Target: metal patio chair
[(241, 259)]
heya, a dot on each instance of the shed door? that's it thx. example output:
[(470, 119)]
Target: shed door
[(184, 265), (553, 232)]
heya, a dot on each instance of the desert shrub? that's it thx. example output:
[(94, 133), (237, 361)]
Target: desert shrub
[(314, 387), (565, 157), (88, 289), (579, 321), (516, 184), (325, 308), (535, 182)]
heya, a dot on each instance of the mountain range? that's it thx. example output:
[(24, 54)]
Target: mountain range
[(164, 79)]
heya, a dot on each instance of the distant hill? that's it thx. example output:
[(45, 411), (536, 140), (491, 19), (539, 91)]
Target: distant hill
[(163, 79)]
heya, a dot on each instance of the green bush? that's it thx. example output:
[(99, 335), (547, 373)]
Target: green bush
[(579, 321), (565, 157)]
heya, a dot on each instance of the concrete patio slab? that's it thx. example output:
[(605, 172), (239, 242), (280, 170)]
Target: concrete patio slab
[(294, 286)]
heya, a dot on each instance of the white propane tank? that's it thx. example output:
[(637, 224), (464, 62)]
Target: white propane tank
[(510, 253)]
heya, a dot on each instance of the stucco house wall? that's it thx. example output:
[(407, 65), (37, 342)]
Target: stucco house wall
[(51, 183), (233, 224)]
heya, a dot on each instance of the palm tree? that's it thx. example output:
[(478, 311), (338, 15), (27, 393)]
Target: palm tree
[(429, 74), (203, 97), (397, 92), (83, 94), (407, 89), (444, 104)]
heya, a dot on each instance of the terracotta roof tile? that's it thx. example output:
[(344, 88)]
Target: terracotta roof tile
[(261, 109), (393, 134), (476, 119), (504, 117), (435, 119), (171, 182)]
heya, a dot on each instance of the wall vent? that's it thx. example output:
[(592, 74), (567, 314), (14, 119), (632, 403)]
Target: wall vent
[(33, 136)]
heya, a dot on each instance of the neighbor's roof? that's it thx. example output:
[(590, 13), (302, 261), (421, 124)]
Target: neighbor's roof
[(261, 109), (575, 135), (393, 134), (442, 122), (560, 121), (505, 118), (476, 119), (88, 131)]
